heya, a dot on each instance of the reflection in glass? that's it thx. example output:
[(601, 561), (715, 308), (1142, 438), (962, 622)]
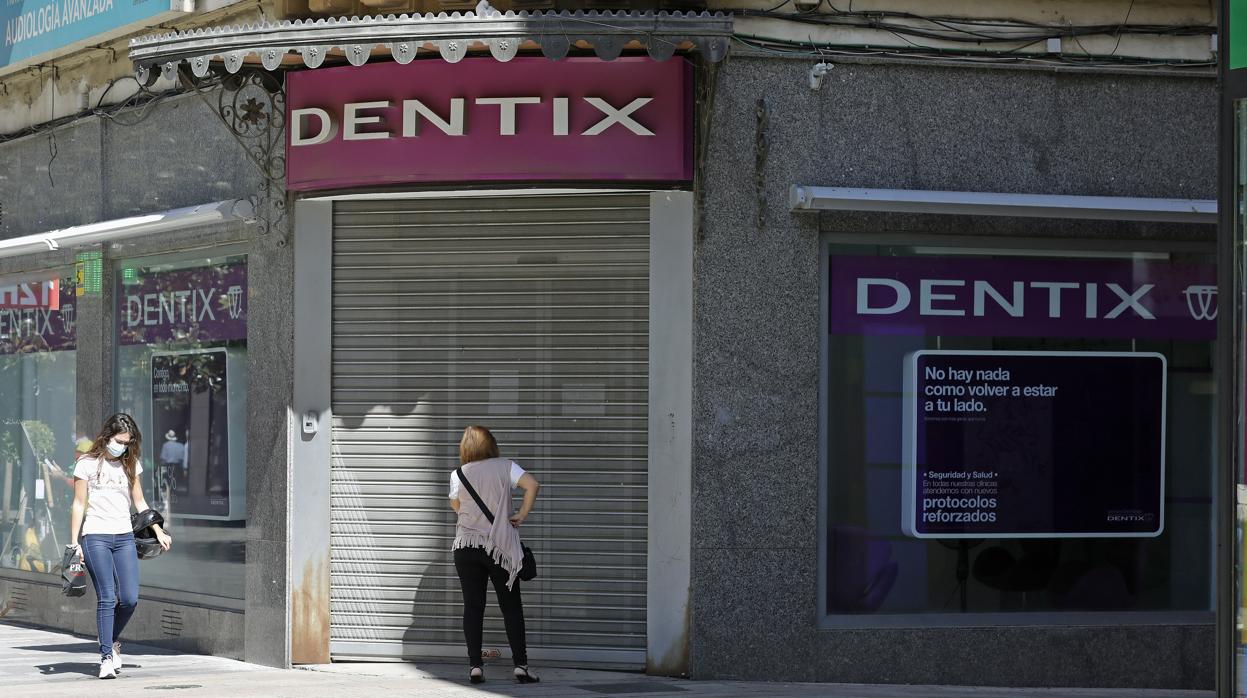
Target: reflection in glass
[(182, 374), (1240, 471), (37, 431), (874, 568)]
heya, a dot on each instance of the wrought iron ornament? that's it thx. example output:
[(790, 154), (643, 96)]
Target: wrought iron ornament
[(251, 104)]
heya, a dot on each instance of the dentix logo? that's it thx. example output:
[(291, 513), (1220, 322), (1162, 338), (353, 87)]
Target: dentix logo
[(1201, 301)]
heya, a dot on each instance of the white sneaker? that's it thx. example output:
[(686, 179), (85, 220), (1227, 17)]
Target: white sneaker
[(117, 657), (106, 668)]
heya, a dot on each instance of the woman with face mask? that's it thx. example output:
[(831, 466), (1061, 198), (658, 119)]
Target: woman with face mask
[(106, 485)]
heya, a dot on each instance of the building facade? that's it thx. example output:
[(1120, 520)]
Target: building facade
[(710, 298)]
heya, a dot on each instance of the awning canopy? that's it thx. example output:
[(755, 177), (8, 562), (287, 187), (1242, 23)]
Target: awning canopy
[(117, 229), (309, 43), (978, 203)]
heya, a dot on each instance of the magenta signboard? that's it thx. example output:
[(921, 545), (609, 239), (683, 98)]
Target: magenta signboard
[(578, 119), (989, 297)]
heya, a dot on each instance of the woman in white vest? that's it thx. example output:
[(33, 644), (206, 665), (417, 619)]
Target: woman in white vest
[(486, 552)]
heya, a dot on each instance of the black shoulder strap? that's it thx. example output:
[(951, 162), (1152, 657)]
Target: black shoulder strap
[(463, 482)]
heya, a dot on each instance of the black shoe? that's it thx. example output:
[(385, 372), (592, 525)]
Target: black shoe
[(477, 675), (523, 675)]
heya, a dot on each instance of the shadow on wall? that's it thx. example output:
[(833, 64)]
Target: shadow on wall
[(432, 603), (399, 404), (437, 604)]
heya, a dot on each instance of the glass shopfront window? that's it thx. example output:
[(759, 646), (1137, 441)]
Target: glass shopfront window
[(1012, 433), (1239, 233), (37, 430), (182, 373)]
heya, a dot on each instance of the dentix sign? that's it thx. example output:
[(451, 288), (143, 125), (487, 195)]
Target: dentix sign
[(1023, 297), (579, 119)]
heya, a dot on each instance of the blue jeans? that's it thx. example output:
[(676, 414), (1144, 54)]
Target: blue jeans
[(114, 566)]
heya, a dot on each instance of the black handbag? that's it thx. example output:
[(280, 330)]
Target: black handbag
[(528, 567), (73, 573)]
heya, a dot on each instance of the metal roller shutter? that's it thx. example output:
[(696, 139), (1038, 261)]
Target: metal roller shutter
[(528, 314)]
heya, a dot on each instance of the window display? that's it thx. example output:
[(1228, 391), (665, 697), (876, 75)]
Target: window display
[(182, 374), (1237, 305), (981, 461), (37, 431), (1017, 431)]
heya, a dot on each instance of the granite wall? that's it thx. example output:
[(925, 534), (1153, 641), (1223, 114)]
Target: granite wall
[(172, 154)]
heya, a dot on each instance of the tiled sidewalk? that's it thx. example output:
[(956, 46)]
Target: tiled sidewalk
[(48, 664)]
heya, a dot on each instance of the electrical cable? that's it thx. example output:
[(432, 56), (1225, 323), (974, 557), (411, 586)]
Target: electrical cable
[(788, 47), (143, 101), (947, 29), (1129, 9), (1002, 23)]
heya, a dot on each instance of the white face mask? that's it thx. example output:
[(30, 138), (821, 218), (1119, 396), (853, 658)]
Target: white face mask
[(115, 449)]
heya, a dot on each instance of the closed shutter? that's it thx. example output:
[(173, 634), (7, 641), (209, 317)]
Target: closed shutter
[(526, 314)]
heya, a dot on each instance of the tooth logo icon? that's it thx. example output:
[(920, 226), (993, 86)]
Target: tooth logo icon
[(233, 301), (1201, 301), (67, 318)]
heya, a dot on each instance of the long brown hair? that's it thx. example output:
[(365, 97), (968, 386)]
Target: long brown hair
[(120, 423), (477, 444)]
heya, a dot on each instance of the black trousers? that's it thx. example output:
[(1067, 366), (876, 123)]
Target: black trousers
[(476, 569)]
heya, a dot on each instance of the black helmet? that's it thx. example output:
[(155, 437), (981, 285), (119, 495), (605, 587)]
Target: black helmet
[(147, 548), (144, 537), (141, 524)]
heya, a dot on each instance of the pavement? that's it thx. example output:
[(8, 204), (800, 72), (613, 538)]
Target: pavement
[(42, 663)]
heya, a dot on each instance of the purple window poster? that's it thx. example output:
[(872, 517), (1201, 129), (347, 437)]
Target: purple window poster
[(989, 297), (40, 329), (203, 304), (1003, 444)]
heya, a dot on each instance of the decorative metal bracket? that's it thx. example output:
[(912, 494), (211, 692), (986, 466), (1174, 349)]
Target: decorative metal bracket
[(707, 80), (251, 104)]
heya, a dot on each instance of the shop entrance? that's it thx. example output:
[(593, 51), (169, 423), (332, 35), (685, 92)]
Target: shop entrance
[(527, 313)]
